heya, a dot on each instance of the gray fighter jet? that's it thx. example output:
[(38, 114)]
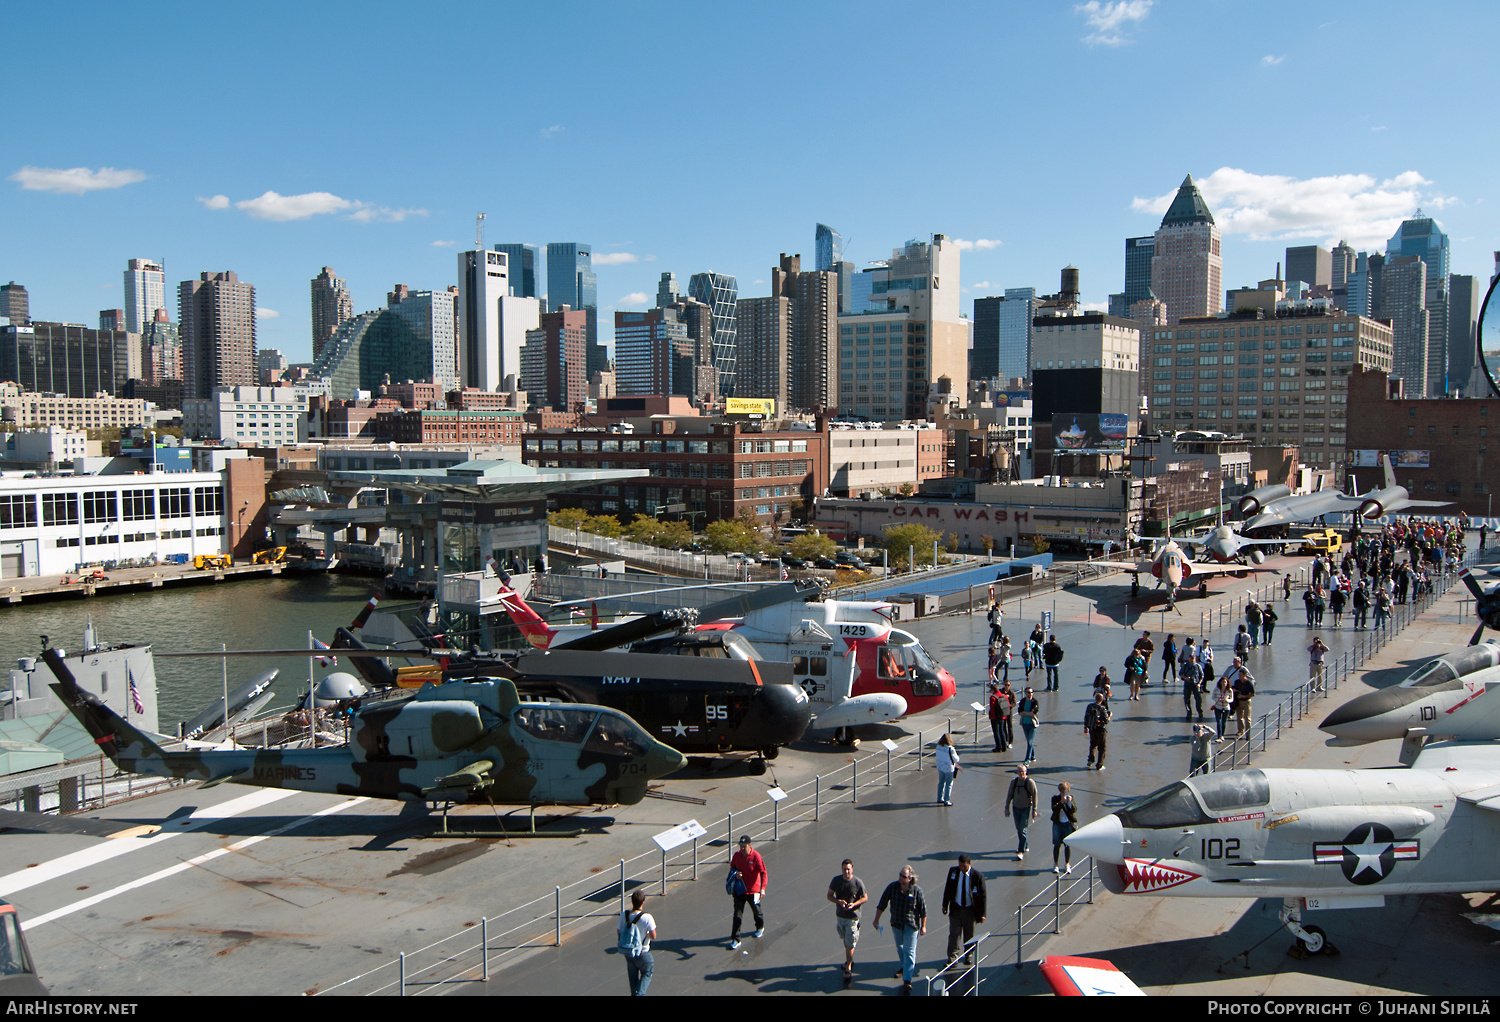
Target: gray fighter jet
[(1275, 505), (1318, 839), (1454, 695)]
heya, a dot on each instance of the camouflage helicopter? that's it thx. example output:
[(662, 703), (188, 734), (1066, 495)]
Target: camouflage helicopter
[(461, 742)]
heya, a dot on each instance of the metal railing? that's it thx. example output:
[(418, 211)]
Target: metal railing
[(466, 957), (1049, 905)]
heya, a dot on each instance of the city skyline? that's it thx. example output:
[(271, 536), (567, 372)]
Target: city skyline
[(83, 193)]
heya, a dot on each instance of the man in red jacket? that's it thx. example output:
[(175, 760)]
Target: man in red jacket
[(752, 870)]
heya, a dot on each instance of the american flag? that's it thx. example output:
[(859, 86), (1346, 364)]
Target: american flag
[(325, 661), (135, 696)]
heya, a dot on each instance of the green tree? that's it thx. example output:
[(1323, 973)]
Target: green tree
[(812, 544), (603, 525), (899, 539), (730, 535), (568, 518)]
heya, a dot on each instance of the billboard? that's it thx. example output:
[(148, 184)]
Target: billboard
[(1364, 458), (1411, 459), (765, 407), (1089, 431)]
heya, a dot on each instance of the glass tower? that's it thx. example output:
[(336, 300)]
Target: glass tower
[(1422, 237), (719, 292), (571, 282), (829, 246), (522, 262)]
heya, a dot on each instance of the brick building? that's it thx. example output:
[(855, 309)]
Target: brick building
[(1442, 442), (716, 474), (427, 426)]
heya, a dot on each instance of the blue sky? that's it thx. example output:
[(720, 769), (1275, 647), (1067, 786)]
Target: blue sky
[(274, 139)]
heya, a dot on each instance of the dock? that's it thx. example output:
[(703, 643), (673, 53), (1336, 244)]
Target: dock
[(157, 576)]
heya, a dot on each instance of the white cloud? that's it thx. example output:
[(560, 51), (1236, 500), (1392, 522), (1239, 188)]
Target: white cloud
[(262, 312), (1271, 61), (982, 284), (1095, 307), (215, 202), (1272, 207), (442, 244), (281, 208), (615, 258), (74, 181), (636, 298), (367, 214), (979, 243), (1108, 19), (555, 129), (1379, 127)]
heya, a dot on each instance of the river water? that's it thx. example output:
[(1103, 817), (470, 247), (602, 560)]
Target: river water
[(274, 613)]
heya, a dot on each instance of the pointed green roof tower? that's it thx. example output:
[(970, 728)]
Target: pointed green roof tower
[(1188, 207)]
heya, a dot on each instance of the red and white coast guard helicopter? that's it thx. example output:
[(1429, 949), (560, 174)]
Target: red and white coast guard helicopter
[(854, 665)]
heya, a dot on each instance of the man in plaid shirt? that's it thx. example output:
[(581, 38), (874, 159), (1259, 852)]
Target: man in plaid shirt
[(908, 921)]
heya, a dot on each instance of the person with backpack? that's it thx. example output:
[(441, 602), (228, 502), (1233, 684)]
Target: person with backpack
[(1029, 709), (1242, 643), (747, 882), (1135, 669), (1253, 618), (1192, 691), (1002, 705), (1206, 661), (1021, 800), (1096, 726), (633, 936)]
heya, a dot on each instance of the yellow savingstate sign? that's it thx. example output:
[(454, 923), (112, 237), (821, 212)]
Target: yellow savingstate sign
[(765, 406)]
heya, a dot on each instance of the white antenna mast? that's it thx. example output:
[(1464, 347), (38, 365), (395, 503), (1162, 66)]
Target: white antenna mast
[(479, 232)]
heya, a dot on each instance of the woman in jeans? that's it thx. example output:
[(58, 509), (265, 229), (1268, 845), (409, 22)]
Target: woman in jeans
[(1064, 822), (1223, 705), (1029, 709), (947, 764)]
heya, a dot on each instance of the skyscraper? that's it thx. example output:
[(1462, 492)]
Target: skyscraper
[(1464, 296), (1187, 264), (1422, 237), (432, 319), (145, 292), (217, 317), (1341, 266), (652, 353), (489, 348), (571, 282), (522, 263), (331, 305), (1002, 335), (719, 292), (829, 249), (1404, 282), (552, 361), (763, 347), (15, 304), (161, 349), (1311, 264), (1138, 253), (666, 291)]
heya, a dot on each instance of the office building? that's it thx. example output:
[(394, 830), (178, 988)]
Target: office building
[(699, 321), (112, 319), (523, 265), (571, 282), (483, 280), (433, 318), (1363, 293), (1464, 296), (910, 334), (1311, 264), (652, 353), (216, 316), (829, 248), (1002, 335), (1284, 379), (666, 291), (719, 292), (1404, 303), (1423, 238), (331, 305), (68, 359), (254, 416), (15, 305), (1138, 253), (553, 361), (1187, 264), (46, 410), (145, 292)]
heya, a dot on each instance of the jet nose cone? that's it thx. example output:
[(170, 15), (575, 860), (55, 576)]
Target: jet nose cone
[(781, 714), (1375, 715), (1103, 839), (662, 760)]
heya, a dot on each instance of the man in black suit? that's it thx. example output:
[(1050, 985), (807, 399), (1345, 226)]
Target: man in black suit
[(963, 904)]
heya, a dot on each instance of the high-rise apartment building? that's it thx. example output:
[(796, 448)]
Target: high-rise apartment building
[(1002, 335), (1311, 264), (1187, 264), (652, 353), (571, 282), (331, 305), (763, 342), (161, 350), (1422, 237), (719, 291), (1138, 253), (552, 363), (787, 344), (145, 292), (15, 304), (524, 263), (269, 362), (829, 248), (216, 314), (1284, 379), (910, 335)]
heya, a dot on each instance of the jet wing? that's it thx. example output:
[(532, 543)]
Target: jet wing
[(1483, 798), (1224, 569), (1069, 976), (1302, 508), (1143, 566)]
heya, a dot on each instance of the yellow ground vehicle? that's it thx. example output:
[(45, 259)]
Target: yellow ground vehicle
[(1326, 541), (205, 561), (270, 555)]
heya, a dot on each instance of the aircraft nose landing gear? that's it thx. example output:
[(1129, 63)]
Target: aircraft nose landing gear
[(1310, 939)]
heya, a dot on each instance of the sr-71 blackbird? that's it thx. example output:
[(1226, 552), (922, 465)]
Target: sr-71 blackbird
[(1276, 505)]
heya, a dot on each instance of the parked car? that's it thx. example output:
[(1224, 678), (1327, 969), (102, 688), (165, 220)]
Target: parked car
[(825, 562), (737, 557), (848, 560), (793, 562)]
